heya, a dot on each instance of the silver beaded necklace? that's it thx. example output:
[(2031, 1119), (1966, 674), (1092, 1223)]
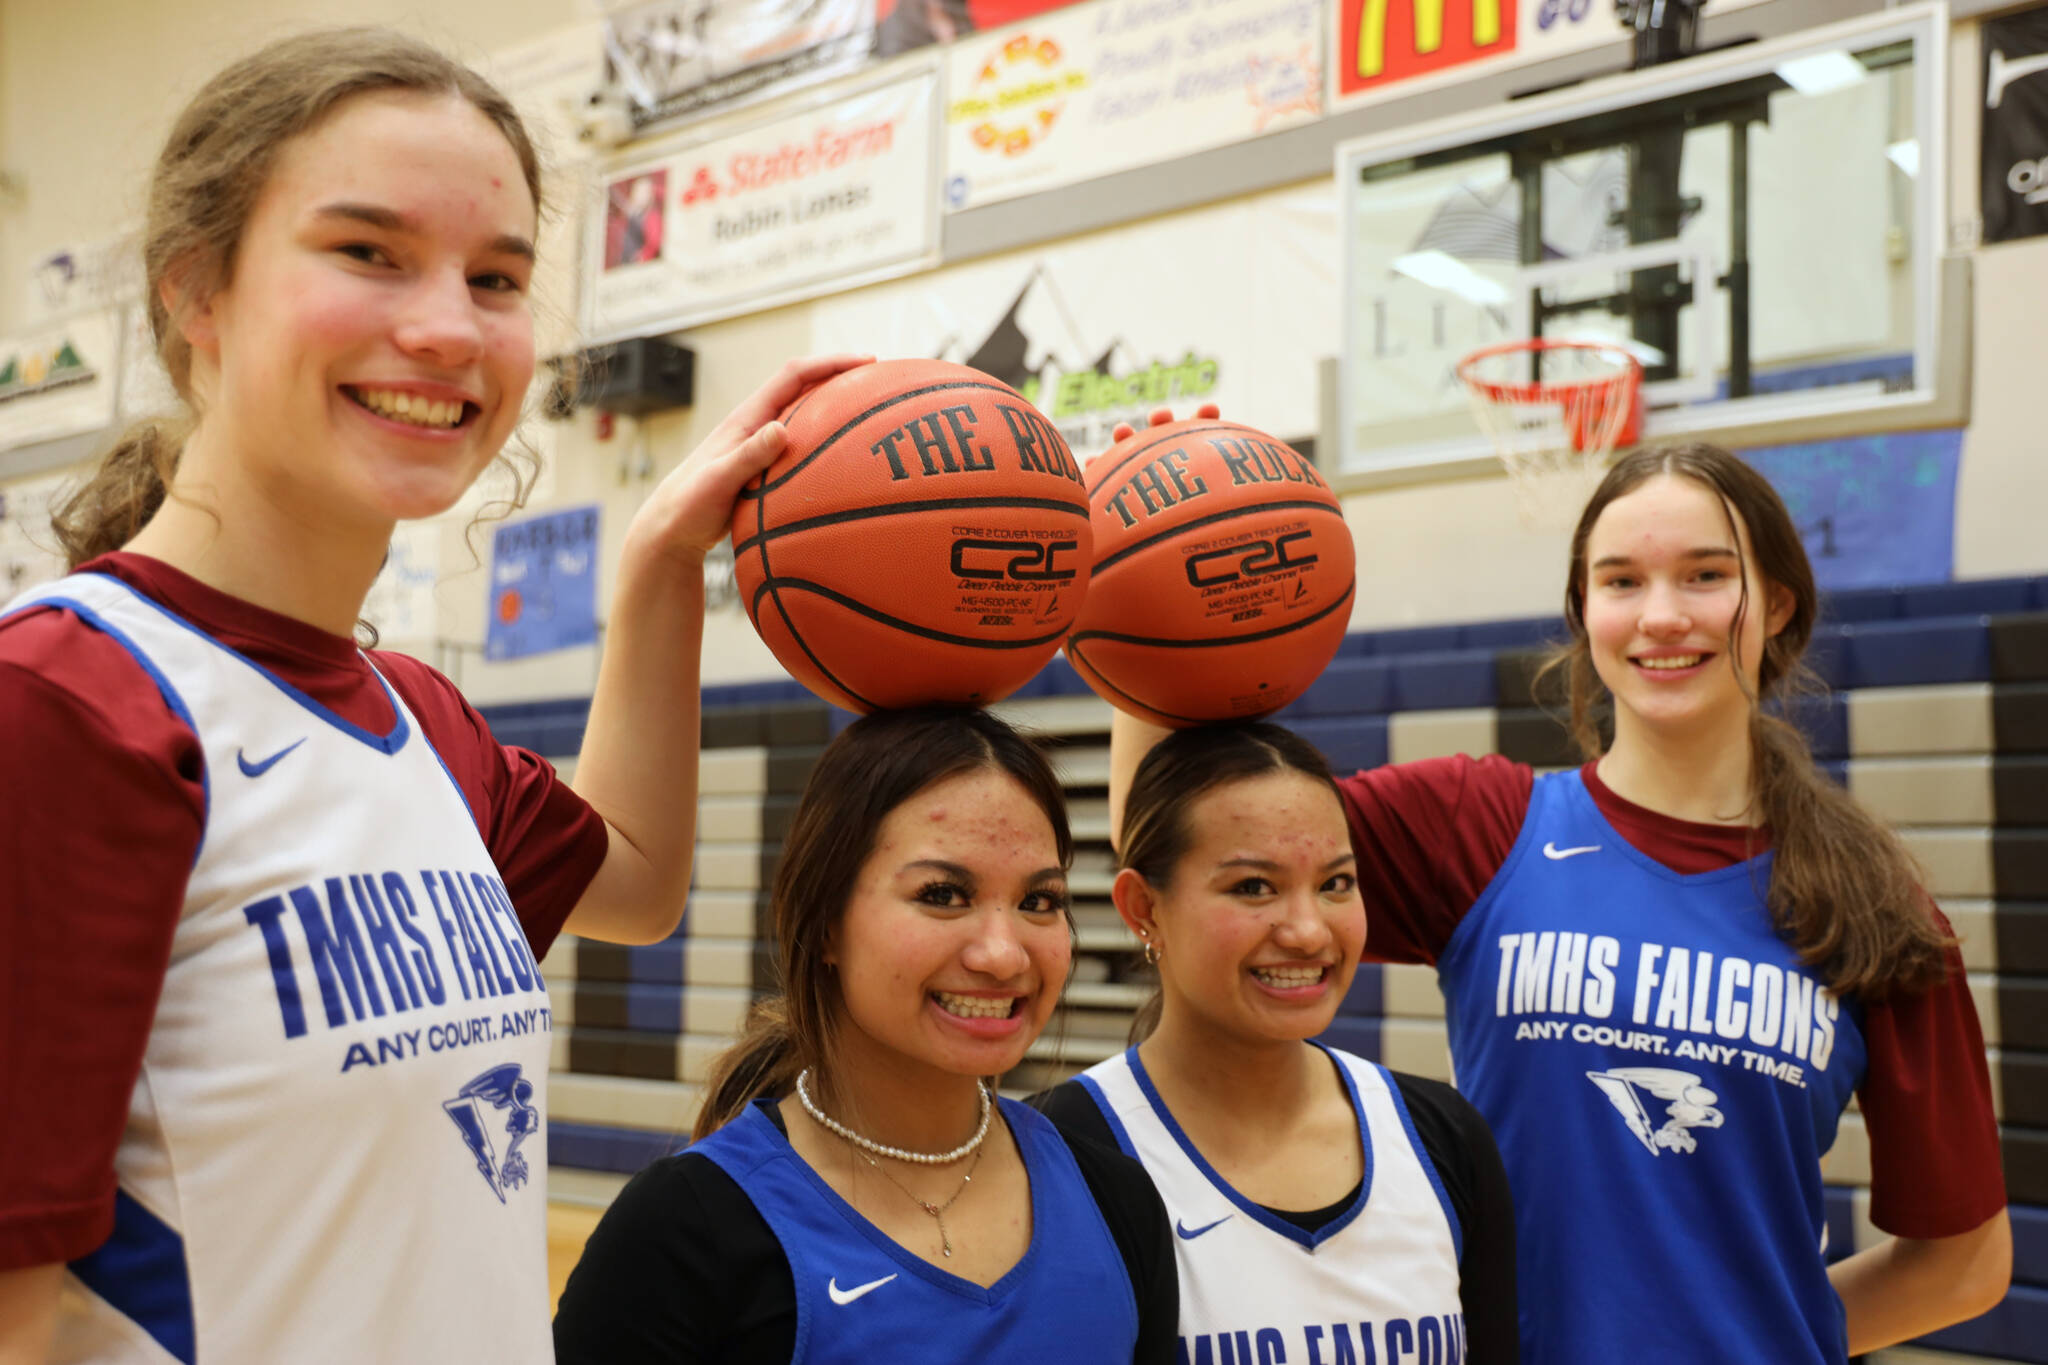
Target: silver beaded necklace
[(869, 1149), (868, 1144)]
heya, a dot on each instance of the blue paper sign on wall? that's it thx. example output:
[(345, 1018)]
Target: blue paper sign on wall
[(1875, 511), (543, 585)]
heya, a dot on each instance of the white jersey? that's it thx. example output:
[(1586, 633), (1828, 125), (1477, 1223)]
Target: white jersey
[(1378, 1283), (334, 1151)]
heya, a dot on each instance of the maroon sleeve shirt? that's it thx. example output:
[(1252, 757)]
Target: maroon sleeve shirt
[(1432, 835), (104, 821)]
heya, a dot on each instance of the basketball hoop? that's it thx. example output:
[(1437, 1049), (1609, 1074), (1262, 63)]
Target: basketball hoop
[(1555, 411)]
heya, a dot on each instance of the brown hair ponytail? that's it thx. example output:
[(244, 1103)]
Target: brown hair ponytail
[(213, 166), (123, 493), (1843, 890)]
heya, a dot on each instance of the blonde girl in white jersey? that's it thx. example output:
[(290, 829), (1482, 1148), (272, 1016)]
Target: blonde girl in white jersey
[(276, 906)]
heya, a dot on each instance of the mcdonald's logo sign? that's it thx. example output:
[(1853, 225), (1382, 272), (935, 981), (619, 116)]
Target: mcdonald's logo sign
[(1382, 42)]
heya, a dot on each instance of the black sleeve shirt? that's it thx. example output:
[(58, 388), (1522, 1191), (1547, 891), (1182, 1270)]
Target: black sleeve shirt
[(683, 1268)]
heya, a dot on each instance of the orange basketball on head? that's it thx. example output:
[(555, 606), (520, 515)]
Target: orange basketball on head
[(924, 538), (1222, 575)]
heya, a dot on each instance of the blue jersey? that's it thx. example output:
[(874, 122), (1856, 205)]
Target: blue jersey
[(1662, 1076), (861, 1298)]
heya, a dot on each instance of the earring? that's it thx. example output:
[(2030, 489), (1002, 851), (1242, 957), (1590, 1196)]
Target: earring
[(1151, 951)]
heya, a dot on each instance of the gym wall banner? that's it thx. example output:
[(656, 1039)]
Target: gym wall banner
[(1382, 43), (905, 25), (1104, 328), (2015, 164), (58, 381), (1380, 48), (29, 552), (84, 277), (1101, 88), (805, 204), (543, 585), (401, 603), (674, 58), (1874, 511)]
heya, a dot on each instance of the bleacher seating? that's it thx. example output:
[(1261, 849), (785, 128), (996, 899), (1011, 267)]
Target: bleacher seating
[(1936, 717)]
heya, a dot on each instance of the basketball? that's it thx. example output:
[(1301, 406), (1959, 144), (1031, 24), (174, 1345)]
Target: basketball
[(1222, 575), (924, 538)]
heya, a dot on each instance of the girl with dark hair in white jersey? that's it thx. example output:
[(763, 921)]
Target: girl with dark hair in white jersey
[(1325, 1209)]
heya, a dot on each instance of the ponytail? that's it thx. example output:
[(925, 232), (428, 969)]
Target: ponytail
[(123, 493), (764, 1062), (1146, 1021), (1844, 892)]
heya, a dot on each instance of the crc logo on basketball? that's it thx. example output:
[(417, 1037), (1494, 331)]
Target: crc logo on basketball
[(1031, 562), (1250, 559)]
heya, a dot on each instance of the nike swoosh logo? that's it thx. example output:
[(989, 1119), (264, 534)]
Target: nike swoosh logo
[(258, 769), (1558, 855), (842, 1297), (1188, 1234)]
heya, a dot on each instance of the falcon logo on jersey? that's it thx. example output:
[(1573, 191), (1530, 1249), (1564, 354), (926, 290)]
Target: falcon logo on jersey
[(475, 1111), (1692, 1105)]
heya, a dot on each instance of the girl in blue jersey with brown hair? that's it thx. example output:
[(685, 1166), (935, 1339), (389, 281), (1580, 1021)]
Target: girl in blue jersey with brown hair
[(1666, 972), (856, 1193)]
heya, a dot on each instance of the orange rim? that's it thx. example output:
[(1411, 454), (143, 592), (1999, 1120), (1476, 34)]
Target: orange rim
[(1546, 390)]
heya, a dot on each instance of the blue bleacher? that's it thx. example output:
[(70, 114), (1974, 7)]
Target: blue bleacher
[(649, 963), (594, 1147), (1349, 742), (1916, 652), (2016, 1329), (1868, 637), (2030, 1245), (649, 1006)]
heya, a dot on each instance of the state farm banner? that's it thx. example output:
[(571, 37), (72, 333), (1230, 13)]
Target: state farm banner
[(1084, 92), (1103, 328), (675, 58), (805, 204), (58, 381), (2015, 155)]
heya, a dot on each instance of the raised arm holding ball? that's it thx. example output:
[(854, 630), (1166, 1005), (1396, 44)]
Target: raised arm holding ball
[(855, 1191), (272, 906), (1324, 1207), (1665, 973)]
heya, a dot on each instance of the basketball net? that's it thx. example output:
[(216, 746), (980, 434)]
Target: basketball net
[(1555, 411)]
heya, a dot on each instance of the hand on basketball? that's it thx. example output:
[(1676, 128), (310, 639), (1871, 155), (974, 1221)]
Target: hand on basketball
[(1123, 431), (690, 511)]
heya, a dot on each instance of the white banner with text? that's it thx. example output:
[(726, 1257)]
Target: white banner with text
[(732, 222)]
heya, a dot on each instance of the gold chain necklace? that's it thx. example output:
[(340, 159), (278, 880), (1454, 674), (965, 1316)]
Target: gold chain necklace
[(937, 1211)]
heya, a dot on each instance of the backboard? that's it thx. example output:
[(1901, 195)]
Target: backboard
[(1759, 226)]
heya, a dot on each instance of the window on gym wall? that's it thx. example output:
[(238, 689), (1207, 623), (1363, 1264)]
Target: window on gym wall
[(1757, 227)]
